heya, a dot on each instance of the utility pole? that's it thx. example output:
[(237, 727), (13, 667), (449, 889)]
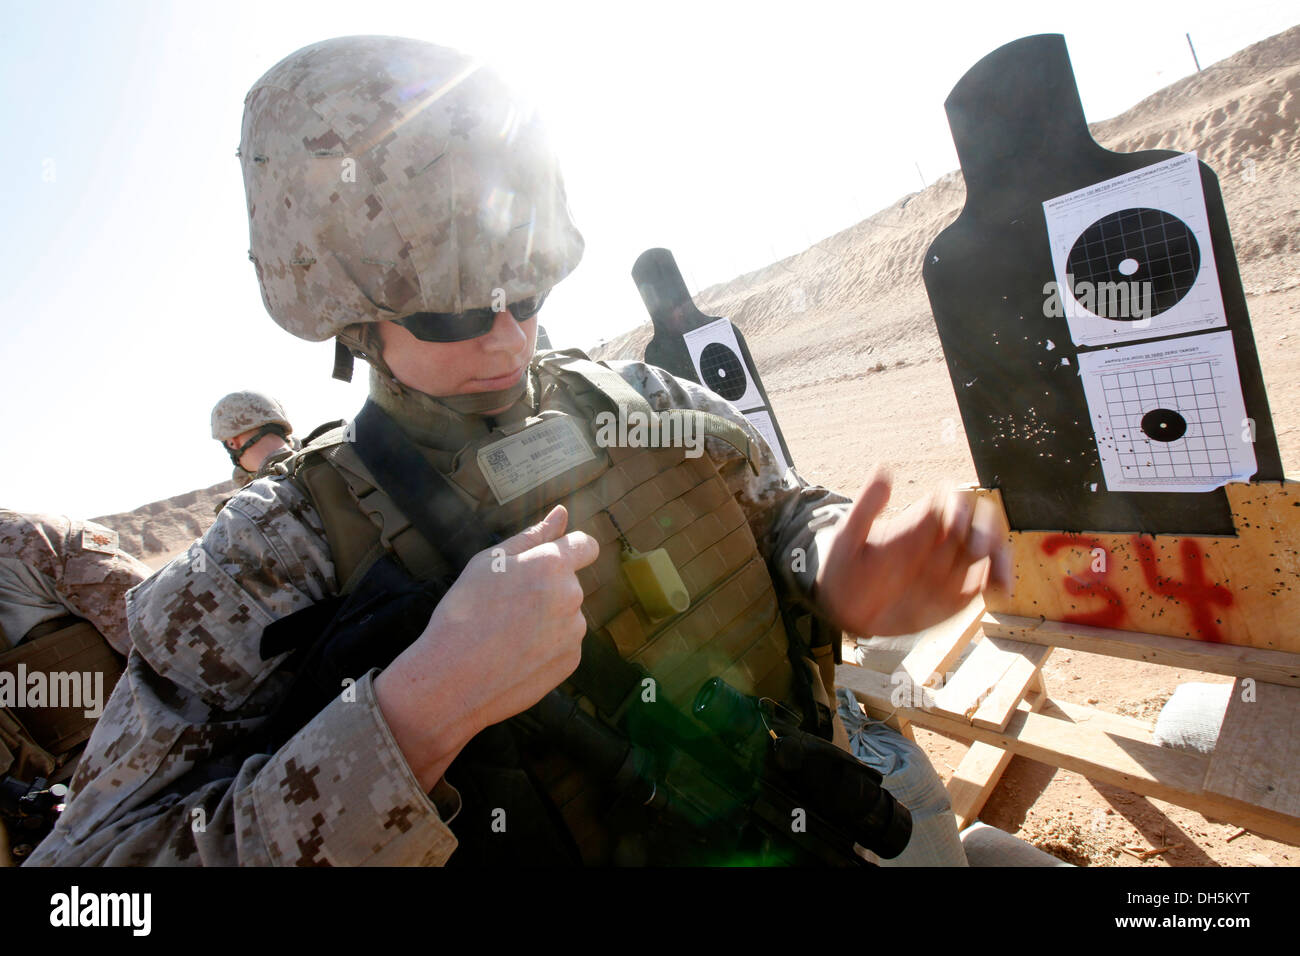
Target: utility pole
[(1193, 49)]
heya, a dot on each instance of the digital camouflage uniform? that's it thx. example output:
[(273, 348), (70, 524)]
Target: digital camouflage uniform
[(63, 586), (384, 177), (52, 566)]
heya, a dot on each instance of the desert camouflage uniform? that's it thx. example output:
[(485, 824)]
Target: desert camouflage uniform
[(52, 566), (165, 780), (241, 412)]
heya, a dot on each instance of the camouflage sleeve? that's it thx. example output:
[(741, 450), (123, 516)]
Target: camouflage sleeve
[(172, 775), (85, 568), (791, 520)]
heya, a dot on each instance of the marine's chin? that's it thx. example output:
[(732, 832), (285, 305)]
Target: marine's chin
[(497, 383)]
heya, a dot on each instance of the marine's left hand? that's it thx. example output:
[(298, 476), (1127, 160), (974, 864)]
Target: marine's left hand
[(902, 574)]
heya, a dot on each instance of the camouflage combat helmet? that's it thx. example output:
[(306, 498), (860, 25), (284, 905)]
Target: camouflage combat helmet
[(387, 177), (239, 412)]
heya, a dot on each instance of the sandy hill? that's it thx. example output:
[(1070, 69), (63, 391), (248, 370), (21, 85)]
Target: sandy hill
[(157, 531)]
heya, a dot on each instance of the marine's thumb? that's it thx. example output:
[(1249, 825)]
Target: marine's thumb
[(549, 528)]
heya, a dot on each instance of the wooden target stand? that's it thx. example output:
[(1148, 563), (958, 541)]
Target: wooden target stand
[(1207, 580), (1223, 604)]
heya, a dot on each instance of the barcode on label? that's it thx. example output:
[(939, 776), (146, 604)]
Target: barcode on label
[(498, 459)]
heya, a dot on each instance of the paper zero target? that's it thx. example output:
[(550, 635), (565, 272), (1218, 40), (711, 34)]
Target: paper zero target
[(721, 370), (1149, 247), (1132, 257), (716, 355)]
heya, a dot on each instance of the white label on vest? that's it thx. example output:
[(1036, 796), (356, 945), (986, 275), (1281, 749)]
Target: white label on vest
[(515, 465), (104, 541)]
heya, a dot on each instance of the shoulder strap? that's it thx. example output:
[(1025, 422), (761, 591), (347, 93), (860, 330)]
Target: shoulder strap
[(420, 492), (572, 364), (320, 430), (353, 539)]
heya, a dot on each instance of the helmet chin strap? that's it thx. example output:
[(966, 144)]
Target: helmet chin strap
[(270, 428)]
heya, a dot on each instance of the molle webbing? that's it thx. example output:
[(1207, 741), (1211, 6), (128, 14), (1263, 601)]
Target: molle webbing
[(361, 522), (585, 376)]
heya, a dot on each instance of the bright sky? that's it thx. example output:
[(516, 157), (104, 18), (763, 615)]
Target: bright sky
[(733, 134)]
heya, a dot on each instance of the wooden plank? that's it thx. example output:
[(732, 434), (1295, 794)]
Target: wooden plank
[(971, 682), (1242, 590), (1274, 667), (1257, 756), (979, 772), (975, 779), (1079, 747), (1099, 720), (939, 647), (1104, 755), (996, 710), (980, 677)]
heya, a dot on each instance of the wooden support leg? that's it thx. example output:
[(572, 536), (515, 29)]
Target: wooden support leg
[(980, 770), (905, 728)]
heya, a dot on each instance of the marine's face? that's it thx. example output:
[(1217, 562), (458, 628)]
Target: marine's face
[(493, 361)]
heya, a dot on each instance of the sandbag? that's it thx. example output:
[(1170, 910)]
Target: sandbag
[(912, 780), (1190, 721), (989, 846)]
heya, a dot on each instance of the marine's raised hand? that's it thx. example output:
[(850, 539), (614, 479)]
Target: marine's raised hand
[(902, 574)]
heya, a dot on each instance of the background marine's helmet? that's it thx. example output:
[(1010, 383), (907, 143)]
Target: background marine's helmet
[(239, 412), (388, 176)]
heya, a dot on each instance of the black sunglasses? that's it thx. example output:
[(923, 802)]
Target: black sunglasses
[(460, 326)]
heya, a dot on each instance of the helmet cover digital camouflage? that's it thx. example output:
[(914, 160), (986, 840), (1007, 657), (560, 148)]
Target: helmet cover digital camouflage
[(387, 176), (240, 412)]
